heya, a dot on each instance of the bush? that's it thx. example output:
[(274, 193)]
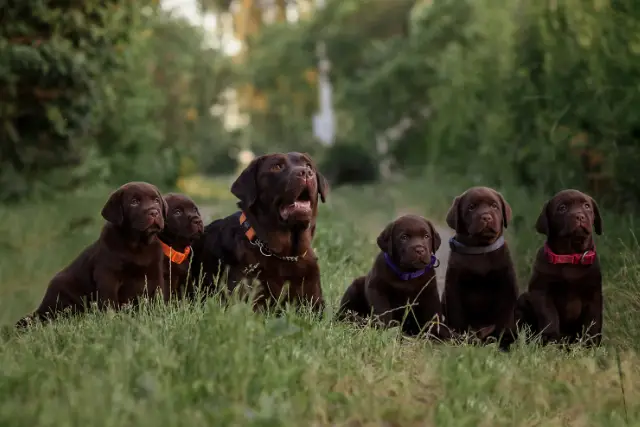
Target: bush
[(50, 61), (349, 163), (535, 88), (102, 92)]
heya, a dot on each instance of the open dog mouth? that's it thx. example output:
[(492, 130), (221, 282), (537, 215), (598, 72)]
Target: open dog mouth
[(301, 205)]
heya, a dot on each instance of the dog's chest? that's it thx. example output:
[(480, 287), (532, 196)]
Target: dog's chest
[(569, 300), (273, 272), (135, 279), (482, 292)]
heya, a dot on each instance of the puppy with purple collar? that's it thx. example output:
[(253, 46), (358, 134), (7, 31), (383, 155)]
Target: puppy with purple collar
[(401, 286)]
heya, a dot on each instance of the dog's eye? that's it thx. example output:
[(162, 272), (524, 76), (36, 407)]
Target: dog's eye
[(134, 202), (157, 200), (471, 207), (562, 208), (587, 206), (404, 237), (494, 205), (177, 212), (426, 236), (276, 168)]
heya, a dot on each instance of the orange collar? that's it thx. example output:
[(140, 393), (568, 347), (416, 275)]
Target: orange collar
[(250, 233), (248, 229), (175, 256)]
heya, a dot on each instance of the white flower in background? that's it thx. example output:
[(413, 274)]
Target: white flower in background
[(245, 157)]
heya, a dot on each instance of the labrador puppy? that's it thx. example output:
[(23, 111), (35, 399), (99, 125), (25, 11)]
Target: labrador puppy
[(183, 226), (563, 302), (480, 291), (124, 264), (266, 245), (401, 286)]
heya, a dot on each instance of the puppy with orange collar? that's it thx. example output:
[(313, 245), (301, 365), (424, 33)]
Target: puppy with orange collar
[(183, 226)]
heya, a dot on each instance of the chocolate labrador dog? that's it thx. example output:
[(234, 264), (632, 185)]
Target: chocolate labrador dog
[(480, 291), (401, 285), (125, 262), (183, 226), (563, 302), (269, 239)]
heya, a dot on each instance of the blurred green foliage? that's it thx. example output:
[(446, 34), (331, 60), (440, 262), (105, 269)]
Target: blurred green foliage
[(545, 93), (102, 92)]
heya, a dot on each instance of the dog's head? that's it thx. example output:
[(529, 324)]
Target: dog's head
[(480, 213), (184, 222), (570, 214), (282, 188), (410, 240), (137, 207)]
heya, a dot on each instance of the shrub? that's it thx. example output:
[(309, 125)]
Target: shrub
[(349, 163)]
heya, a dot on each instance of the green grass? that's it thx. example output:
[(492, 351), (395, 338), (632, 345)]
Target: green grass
[(208, 365)]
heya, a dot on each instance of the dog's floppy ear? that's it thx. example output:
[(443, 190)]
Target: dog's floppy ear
[(506, 211), (112, 210), (452, 215), (436, 240), (245, 187), (323, 186), (542, 224), (385, 239), (597, 219), (165, 206)]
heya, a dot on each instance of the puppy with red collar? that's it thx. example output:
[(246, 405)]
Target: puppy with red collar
[(563, 302)]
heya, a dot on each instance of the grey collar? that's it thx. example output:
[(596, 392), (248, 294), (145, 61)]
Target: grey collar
[(475, 250)]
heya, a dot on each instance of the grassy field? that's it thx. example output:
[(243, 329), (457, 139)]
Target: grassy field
[(207, 365)]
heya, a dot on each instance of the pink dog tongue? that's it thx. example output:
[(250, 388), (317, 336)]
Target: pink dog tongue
[(286, 211)]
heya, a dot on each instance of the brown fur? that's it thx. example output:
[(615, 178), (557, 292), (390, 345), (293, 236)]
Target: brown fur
[(267, 190), (410, 241), (116, 269), (183, 227), (563, 301), (480, 289)]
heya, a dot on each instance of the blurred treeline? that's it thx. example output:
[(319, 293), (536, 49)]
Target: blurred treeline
[(542, 93)]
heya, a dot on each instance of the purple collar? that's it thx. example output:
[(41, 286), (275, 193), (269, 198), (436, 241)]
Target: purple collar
[(408, 276)]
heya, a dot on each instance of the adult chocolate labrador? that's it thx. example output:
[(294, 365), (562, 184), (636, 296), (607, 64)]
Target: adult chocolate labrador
[(266, 245)]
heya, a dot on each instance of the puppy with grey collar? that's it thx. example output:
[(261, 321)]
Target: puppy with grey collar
[(480, 291)]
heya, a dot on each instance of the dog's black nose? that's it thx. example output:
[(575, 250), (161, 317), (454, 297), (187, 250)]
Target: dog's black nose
[(420, 250), (303, 172), (580, 217), (486, 218), (154, 213), (196, 220)]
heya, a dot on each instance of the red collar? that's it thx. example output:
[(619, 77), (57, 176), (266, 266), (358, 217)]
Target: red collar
[(585, 258), (175, 256)]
